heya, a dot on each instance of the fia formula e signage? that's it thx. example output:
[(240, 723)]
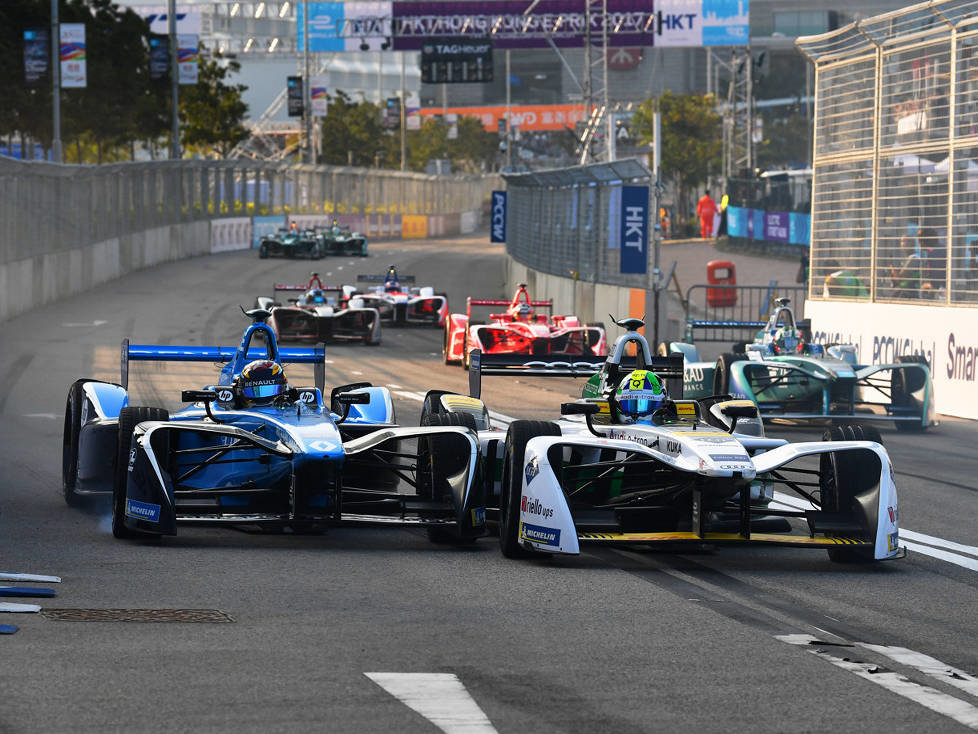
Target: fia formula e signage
[(497, 231), (634, 229)]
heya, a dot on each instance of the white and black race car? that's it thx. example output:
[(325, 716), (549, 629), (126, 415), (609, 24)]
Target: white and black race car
[(696, 473), (320, 314)]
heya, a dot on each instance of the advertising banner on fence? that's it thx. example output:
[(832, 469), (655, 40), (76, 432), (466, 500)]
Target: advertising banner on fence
[(634, 229), (187, 58), (233, 233), (520, 23), (317, 95), (947, 337), (497, 225), (262, 226), (73, 68)]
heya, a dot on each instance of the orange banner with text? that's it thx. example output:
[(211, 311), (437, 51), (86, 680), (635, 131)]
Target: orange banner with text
[(414, 226), (524, 117)]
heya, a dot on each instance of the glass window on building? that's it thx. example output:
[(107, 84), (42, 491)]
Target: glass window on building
[(802, 23)]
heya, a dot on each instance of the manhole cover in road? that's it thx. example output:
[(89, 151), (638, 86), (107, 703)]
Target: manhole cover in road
[(137, 615)]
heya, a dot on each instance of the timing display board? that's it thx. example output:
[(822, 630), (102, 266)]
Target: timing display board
[(454, 60)]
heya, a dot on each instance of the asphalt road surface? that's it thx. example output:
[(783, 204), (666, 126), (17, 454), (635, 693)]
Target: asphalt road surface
[(376, 630)]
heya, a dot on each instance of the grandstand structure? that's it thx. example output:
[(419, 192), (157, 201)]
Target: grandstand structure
[(894, 227)]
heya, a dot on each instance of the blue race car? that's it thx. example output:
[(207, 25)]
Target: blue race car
[(254, 450)]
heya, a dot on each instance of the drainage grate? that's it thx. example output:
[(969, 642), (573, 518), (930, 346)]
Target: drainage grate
[(137, 615)]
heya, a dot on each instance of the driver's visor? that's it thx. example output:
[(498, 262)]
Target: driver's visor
[(261, 391)]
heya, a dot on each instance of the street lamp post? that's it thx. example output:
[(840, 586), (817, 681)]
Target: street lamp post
[(56, 83)]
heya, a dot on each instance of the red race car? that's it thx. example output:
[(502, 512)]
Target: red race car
[(520, 330)]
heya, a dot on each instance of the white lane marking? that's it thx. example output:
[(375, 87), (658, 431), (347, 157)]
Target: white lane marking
[(355, 372), (393, 386), (941, 549), (90, 323), (339, 267), (931, 666), (30, 577), (942, 703), (439, 697), (925, 550), (329, 274), (938, 542), (8, 606), (50, 416)]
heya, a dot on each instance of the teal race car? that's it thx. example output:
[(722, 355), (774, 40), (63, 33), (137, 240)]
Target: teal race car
[(789, 377)]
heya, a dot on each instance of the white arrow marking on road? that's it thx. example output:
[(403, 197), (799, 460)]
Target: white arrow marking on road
[(90, 323), (50, 416), (942, 703), (30, 577), (8, 606), (439, 697)]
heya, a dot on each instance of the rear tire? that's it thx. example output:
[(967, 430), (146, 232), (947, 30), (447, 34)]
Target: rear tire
[(69, 452), (903, 384), (833, 468), (511, 488), (439, 534), (263, 251), (721, 375), (129, 418)]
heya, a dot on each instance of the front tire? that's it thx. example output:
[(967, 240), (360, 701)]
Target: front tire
[(834, 471), (511, 489), (69, 452), (129, 418)]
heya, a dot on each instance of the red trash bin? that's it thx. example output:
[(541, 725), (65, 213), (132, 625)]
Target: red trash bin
[(718, 273)]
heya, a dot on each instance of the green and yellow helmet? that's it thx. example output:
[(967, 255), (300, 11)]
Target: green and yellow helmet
[(639, 395)]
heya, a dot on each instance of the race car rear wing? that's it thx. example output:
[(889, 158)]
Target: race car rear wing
[(315, 356), (383, 278), (668, 368), (470, 302)]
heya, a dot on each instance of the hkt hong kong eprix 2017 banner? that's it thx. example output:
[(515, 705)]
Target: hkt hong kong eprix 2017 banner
[(73, 69), (631, 22)]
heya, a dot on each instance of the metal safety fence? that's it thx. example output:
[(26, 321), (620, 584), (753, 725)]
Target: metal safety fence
[(567, 221), (895, 189), (734, 313), (47, 208)]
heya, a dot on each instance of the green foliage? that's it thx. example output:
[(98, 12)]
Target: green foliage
[(692, 142), (212, 111), (120, 104), (354, 128)]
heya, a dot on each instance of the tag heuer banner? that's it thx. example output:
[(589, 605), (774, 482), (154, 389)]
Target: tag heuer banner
[(73, 70)]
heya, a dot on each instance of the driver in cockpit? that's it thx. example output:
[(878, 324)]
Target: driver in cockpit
[(638, 397)]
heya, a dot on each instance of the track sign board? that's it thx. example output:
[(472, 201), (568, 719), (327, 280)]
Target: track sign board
[(318, 101), (187, 58), (634, 229), (159, 57), (294, 96), (497, 227), (73, 68), (456, 60), (37, 53)]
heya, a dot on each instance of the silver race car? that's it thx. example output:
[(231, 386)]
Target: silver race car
[(643, 467)]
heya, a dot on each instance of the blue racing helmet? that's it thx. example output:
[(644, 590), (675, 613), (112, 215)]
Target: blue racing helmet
[(261, 381), (639, 395)]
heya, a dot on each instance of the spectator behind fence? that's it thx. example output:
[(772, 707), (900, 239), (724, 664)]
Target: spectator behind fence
[(906, 279), (840, 283), (934, 275)]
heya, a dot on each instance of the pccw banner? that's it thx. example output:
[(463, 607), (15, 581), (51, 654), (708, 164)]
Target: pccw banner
[(634, 229), (497, 230)]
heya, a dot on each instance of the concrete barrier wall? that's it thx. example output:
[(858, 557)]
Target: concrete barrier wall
[(34, 281), (598, 302)]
